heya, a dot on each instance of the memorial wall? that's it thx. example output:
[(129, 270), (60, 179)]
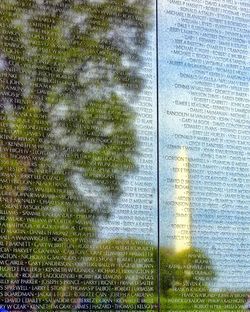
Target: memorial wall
[(124, 155), (204, 152), (78, 217)]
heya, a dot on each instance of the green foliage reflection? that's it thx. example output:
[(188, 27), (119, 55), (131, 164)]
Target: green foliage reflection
[(68, 70)]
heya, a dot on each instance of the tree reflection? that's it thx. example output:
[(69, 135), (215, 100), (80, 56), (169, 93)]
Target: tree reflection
[(67, 138)]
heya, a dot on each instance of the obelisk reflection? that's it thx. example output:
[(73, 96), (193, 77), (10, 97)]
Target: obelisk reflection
[(183, 237)]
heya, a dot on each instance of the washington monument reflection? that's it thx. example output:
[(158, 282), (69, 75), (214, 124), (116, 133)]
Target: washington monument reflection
[(183, 237)]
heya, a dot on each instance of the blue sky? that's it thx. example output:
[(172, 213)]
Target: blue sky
[(205, 105)]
